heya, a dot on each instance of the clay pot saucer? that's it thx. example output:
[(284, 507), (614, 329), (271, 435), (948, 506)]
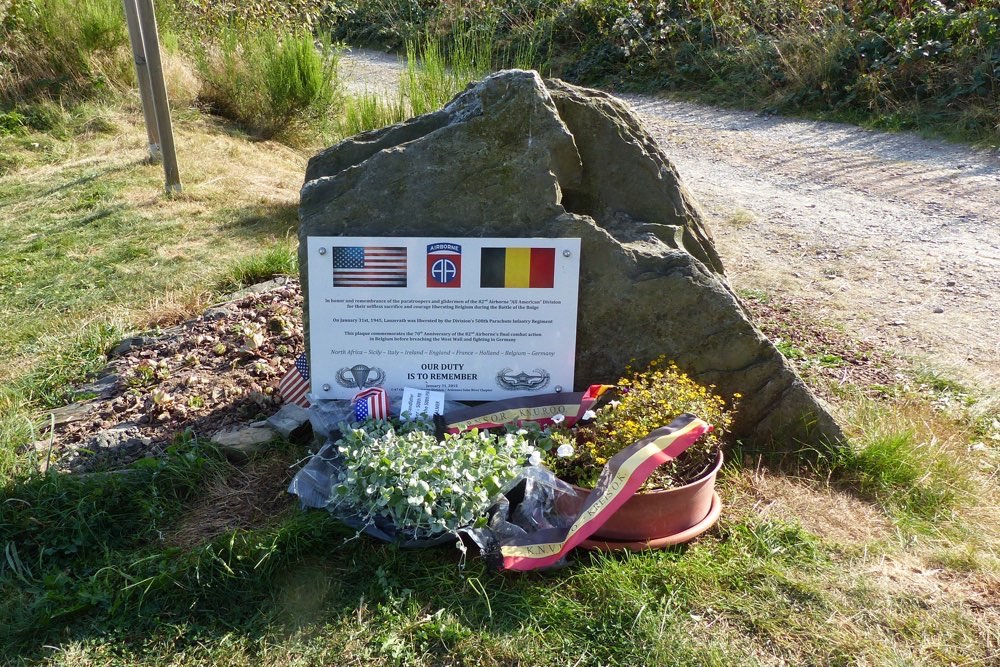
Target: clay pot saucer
[(659, 543)]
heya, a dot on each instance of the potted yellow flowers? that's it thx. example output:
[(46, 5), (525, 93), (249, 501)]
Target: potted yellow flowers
[(678, 500)]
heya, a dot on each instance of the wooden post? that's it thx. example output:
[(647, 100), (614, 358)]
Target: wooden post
[(151, 47), (142, 75)]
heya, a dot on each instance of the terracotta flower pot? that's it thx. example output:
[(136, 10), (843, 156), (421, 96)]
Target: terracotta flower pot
[(659, 518)]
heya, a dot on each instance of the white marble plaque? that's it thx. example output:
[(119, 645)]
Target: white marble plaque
[(479, 319)]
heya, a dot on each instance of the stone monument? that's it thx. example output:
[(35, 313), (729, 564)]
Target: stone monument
[(516, 156)]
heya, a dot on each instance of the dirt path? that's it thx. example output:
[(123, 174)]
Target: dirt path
[(890, 236)]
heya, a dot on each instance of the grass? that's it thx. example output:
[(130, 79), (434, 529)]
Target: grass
[(277, 260), (755, 590), (90, 250), (63, 48), (282, 88), (437, 69)]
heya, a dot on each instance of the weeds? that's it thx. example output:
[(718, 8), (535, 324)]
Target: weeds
[(280, 259), (436, 70), (63, 48), (276, 87), (923, 64)]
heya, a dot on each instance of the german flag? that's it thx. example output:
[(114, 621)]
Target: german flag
[(518, 267)]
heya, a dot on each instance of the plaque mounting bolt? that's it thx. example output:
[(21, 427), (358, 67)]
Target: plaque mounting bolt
[(322, 251), (326, 387), (559, 386), (566, 253)]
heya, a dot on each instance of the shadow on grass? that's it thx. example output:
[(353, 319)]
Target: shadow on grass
[(95, 175), (264, 219), (96, 564)]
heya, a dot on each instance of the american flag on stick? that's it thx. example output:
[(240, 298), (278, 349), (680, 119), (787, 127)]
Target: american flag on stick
[(371, 403), (294, 386)]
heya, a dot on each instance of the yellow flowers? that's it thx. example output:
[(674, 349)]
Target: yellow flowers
[(646, 401)]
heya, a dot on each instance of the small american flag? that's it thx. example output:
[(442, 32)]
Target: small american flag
[(294, 386), (369, 266), (371, 403)]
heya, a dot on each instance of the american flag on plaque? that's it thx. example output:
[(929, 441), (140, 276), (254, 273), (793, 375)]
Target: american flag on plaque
[(295, 385), (369, 266)]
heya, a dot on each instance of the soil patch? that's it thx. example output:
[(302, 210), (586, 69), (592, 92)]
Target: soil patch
[(218, 370)]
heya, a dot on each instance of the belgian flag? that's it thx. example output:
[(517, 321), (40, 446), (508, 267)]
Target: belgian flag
[(518, 267)]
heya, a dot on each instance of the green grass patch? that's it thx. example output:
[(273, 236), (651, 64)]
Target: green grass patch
[(910, 456), (89, 250), (437, 69), (749, 592), (276, 85), (280, 259), (63, 49)]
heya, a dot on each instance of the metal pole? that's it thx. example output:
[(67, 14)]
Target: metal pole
[(151, 47), (142, 74)]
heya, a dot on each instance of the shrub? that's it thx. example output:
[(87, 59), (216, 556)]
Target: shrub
[(276, 88), (427, 487), (63, 48), (923, 63)]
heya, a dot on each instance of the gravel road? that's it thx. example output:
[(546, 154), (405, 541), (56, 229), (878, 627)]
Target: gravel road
[(893, 237)]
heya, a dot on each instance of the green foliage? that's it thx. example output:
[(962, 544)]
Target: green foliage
[(58, 48), (276, 85), (388, 23), (11, 122), (437, 69), (644, 401), (902, 473), (923, 64), (205, 16), (402, 473), (277, 260), (365, 112), (59, 529)]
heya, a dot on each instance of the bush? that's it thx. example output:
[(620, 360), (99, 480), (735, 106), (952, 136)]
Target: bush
[(63, 48), (925, 63), (276, 88)]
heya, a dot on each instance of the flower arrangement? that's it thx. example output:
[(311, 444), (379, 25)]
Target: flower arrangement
[(644, 401), (401, 471)]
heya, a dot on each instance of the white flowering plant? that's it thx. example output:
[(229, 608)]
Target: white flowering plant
[(426, 487)]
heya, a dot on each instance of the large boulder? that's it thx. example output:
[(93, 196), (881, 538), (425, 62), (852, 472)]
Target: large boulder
[(516, 156)]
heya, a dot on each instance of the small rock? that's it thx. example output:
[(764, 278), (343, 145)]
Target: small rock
[(110, 448), (242, 443), (292, 422), (259, 288), (103, 386), (124, 436), (938, 309), (217, 313), (897, 323), (73, 412), (127, 345)]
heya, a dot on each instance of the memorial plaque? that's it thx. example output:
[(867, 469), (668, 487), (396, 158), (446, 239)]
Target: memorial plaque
[(478, 319)]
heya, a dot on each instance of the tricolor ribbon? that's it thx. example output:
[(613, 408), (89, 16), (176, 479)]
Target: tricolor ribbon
[(620, 479), (539, 408)]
